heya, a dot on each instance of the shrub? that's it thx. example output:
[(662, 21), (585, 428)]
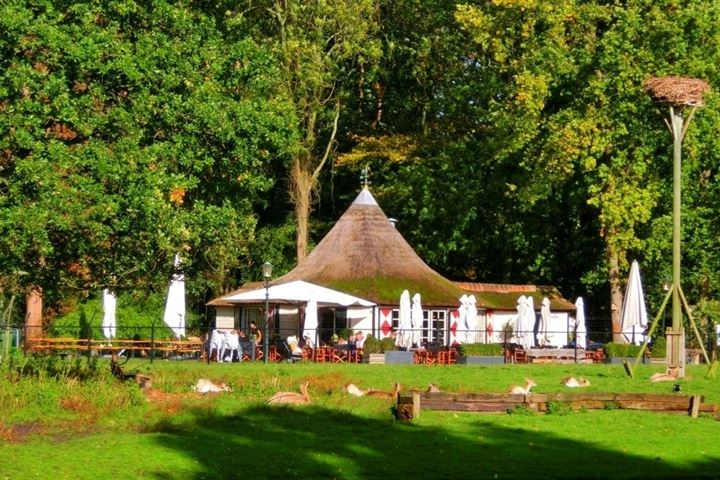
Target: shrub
[(481, 349), (659, 348), (621, 350), (375, 345), (136, 314)]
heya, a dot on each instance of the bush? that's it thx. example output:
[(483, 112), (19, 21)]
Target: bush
[(481, 349), (621, 350), (136, 313), (659, 348), (375, 345)]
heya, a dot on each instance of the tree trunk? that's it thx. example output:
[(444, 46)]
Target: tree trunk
[(33, 313), (616, 299), (302, 197)]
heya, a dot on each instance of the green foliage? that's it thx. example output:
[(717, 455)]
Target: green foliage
[(114, 163), (53, 367), (621, 349), (481, 349), (659, 347), (558, 408), (375, 345), (136, 313)]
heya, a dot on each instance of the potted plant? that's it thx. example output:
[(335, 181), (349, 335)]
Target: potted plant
[(384, 351), (481, 354)]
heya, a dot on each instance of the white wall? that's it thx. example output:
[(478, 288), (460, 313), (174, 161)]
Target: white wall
[(224, 318)]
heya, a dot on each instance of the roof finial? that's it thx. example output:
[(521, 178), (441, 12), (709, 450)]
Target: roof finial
[(365, 176)]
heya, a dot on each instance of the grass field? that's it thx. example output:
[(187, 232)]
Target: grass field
[(57, 426)]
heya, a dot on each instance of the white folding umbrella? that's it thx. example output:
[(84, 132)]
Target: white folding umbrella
[(311, 321), (529, 323), (109, 323), (404, 333), (175, 305), (471, 322), (462, 314), (580, 329), (416, 318), (634, 320), (544, 322), (520, 321)]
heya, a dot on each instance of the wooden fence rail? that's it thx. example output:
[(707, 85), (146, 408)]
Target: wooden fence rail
[(166, 347), (409, 404)]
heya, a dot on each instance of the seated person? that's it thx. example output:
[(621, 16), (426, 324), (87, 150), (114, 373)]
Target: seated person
[(359, 340), (246, 339)]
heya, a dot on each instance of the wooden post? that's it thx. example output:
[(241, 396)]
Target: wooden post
[(408, 407), (695, 402), (33, 319)]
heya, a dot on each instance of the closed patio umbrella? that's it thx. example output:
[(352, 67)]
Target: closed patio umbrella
[(417, 320), (174, 316), (404, 333), (311, 321), (462, 314), (471, 320), (633, 319), (580, 329), (544, 322), (109, 323), (529, 323)]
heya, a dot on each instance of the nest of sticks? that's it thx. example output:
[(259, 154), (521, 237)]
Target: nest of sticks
[(677, 91)]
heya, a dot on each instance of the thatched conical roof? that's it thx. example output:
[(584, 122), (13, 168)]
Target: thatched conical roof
[(364, 255)]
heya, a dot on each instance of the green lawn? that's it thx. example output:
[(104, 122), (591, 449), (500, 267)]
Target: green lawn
[(101, 429)]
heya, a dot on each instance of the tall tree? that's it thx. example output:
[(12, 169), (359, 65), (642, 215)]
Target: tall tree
[(319, 44), (583, 65), (129, 132)]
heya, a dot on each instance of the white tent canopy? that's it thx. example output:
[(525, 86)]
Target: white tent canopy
[(299, 292)]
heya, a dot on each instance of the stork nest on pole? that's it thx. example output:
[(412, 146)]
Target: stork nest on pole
[(677, 91)]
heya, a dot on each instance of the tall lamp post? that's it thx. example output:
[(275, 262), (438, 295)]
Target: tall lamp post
[(267, 273)]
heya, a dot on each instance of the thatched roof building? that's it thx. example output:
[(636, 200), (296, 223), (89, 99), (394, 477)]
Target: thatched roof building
[(365, 256)]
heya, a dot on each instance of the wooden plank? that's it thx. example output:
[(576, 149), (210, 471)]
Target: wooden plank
[(468, 407), (471, 397)]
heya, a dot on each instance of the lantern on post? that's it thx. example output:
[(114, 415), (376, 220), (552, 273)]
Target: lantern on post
[(267, 273)]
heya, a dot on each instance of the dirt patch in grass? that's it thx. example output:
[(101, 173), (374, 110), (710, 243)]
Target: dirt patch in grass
[(20, 431)]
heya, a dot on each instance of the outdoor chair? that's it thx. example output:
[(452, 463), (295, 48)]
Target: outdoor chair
[(520, 355)]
